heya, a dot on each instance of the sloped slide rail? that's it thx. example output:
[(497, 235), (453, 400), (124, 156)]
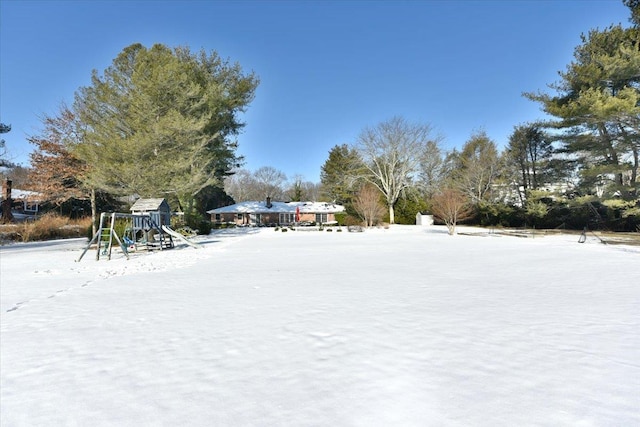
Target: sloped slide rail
[(180, 237)]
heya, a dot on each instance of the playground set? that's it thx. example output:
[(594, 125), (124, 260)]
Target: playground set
[(146, 228)]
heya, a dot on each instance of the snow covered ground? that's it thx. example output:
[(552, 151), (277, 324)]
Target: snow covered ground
[(400, 327)]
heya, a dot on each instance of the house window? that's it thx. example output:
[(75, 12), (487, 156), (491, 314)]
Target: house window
[(321, 218), (217, 217), (240, 216), (287, 218), (30, 207)]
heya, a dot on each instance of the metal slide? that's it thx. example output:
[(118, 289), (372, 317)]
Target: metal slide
[(180, 237)]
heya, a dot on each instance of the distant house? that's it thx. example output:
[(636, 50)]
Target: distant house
[(256, 213), (28, 201), (24, 204)]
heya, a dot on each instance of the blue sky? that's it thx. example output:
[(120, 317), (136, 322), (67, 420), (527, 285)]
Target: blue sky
[(328, 69)]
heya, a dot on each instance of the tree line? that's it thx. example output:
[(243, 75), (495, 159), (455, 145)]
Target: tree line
[(158, 122), (163, 122), (578, 169)]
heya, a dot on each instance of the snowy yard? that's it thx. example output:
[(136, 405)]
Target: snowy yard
[(398, 327)]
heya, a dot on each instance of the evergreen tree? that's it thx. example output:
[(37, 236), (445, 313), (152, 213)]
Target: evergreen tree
[(339, 173), (529, 160), (634, 6), (4, 162), (432, 168), (476, 167), (162, 121), (408, 205), (597, 105)]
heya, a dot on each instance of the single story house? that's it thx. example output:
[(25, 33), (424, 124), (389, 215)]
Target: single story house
[(255, 213), (24, 204)]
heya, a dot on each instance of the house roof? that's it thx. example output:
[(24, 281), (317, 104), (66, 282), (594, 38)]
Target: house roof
[(278, 207), (21, 194), (146, 205)]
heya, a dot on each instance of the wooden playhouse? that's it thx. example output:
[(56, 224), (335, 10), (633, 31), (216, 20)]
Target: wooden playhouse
[(149, 216)]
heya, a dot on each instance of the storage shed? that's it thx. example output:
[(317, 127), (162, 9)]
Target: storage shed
[(424, 220), (157, 209)]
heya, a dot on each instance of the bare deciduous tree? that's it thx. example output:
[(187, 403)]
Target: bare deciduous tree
[(391, 153), (265, 182), (270, 183), (311, 190), (55, 170), (367, 204), (18, 174), (301, 190), (239, 185), (450, 206)]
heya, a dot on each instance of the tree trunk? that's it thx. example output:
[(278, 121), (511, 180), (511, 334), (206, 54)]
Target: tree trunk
[(7, 216), (391, 215), (613, 154), (94, 213), (634, 169), (636, 159)]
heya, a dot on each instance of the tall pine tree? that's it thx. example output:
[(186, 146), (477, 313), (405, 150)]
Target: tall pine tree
[(597, 105), (162, 122)]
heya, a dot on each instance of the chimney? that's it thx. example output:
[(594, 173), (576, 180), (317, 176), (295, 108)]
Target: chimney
[(269, 202)]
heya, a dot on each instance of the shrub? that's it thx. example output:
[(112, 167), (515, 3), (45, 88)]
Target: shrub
[(406, 209), (498, 214), (53, 226), (451, 206), (351, 220), (223, 225), (341, 217), (204, 227)]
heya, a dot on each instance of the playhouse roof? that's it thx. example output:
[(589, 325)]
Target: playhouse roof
[(147, 205)]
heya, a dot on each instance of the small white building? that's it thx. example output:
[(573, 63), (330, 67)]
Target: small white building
[(424, 220)]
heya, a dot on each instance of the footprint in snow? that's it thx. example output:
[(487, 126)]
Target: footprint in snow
[(17, 306)]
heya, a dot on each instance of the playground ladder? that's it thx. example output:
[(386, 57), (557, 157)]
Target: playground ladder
[(104, 237)]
